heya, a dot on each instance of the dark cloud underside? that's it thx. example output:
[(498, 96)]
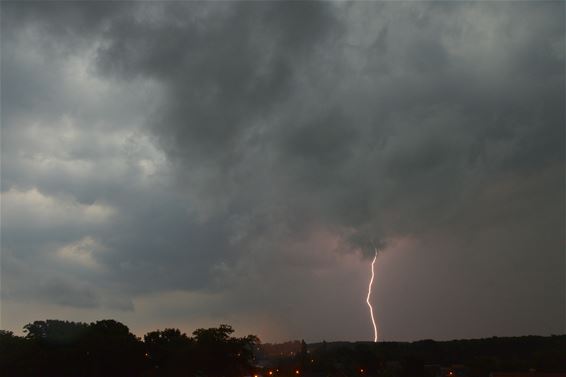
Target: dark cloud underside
[(254, 151)]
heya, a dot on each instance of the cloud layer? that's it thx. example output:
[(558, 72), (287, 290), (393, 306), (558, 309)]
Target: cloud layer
[(245, 156)]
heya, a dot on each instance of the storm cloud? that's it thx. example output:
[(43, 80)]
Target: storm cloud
[(185, 163)]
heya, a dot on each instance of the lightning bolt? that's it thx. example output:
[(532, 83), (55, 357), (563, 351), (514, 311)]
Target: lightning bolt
[(368, 297)]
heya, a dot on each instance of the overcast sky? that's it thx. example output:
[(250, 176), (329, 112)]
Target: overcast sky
[(185, 164)]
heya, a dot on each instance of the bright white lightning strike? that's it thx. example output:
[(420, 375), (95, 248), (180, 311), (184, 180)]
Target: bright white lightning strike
[(368, 297)]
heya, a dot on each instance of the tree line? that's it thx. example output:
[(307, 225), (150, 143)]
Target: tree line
[(55, 348), (426, 358)]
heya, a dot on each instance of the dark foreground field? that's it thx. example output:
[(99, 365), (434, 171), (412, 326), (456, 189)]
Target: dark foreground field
[(107, 348)]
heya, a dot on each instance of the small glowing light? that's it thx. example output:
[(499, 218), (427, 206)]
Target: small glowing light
[(362, 370), (270, 373), (297, 371)]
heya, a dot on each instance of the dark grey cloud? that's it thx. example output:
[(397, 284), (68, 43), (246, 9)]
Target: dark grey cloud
[(63, 293), (255, 151)]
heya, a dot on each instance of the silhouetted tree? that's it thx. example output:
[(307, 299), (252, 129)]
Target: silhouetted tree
[(56, 332), (220, 354), (112, 349), (303, 355), (15, 355), (170, 352), (57, 347)]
